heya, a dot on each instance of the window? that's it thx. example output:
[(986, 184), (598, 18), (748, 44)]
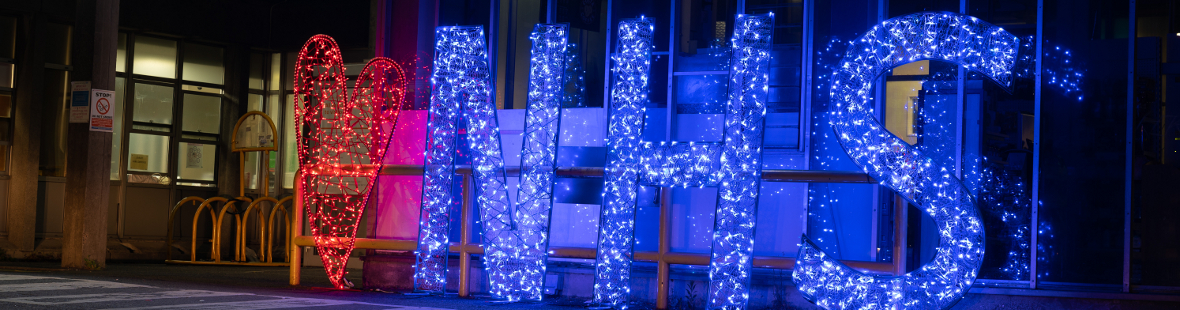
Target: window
[(7, 77), (54, 112), (175, 111), (264, 93), (154, 57)]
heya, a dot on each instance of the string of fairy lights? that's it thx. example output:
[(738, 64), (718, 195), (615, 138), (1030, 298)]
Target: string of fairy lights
[(630, 65), (341, 151), (538, 159), (960, 39), (461, 85), (731, 261), (342, 144), (515, 239)]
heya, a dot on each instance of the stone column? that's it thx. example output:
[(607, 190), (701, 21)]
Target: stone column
[(26, 135), (88, 164)]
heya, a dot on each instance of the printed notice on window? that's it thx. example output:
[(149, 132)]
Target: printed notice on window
[(194, 156), (138, 162), (102, 114)]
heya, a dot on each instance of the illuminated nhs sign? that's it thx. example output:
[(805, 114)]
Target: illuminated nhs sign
[(516, 234)]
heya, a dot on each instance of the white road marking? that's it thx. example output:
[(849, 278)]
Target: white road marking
[(29, 287), (89, 298), (13, 277), (253, 304), (277, 302)]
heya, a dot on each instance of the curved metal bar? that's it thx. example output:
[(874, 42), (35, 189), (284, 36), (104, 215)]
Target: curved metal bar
[(270, 227), (261, 228), (172, 219), (212, 218), (217, 228)]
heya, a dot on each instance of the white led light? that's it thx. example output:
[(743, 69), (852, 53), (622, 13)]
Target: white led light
[(959, 39)]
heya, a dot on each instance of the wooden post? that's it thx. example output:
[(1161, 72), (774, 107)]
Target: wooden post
[(88, 166)]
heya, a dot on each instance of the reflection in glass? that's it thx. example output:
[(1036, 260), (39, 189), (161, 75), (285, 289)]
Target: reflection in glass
[(154, 57), (201, 114), (197, 161), (203, 64), (147, 153), (153, 103)]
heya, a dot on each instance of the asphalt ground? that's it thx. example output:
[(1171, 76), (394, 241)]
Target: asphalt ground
[(44, 285)]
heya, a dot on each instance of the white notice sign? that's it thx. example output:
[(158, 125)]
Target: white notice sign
[(80, 97), (102, 112)]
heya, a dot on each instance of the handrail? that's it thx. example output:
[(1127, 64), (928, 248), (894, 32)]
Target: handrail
[(769, 175), (464, 248)]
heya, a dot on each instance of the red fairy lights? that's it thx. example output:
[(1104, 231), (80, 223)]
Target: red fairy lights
[(342, 136)]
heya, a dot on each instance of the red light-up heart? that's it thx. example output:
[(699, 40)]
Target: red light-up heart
[(342, 134)]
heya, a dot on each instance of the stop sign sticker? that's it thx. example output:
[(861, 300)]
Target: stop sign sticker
[(102, 116)]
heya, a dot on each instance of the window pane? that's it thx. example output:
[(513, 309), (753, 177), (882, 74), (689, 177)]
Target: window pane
[(57, 50), (154, 57), (197, 161), (276, 66), (290, 159), (7, 74), (201, 114), (254, 102), (147, 153), (121, 54), (7, 37), (1082, 160), (203, 64), (54, 119), (256, 62), (117, 136), (997, 141), (1156, 260), (153, 103), (5, 105), (839, 216)]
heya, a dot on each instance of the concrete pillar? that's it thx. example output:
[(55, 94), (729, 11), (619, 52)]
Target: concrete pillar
[(88, 165), (26, 135)]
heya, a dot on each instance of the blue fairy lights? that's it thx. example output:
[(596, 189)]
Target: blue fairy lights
[(516, 237), (733, 165), (966, 41), (741, 163), (616, 226)]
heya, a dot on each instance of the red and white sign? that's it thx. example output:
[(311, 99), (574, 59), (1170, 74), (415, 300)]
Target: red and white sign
[(102, 112)]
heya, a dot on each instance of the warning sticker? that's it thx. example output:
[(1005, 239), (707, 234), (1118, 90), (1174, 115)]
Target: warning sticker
[(102, 116)]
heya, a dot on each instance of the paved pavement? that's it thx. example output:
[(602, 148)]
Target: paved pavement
[(158, 286)]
